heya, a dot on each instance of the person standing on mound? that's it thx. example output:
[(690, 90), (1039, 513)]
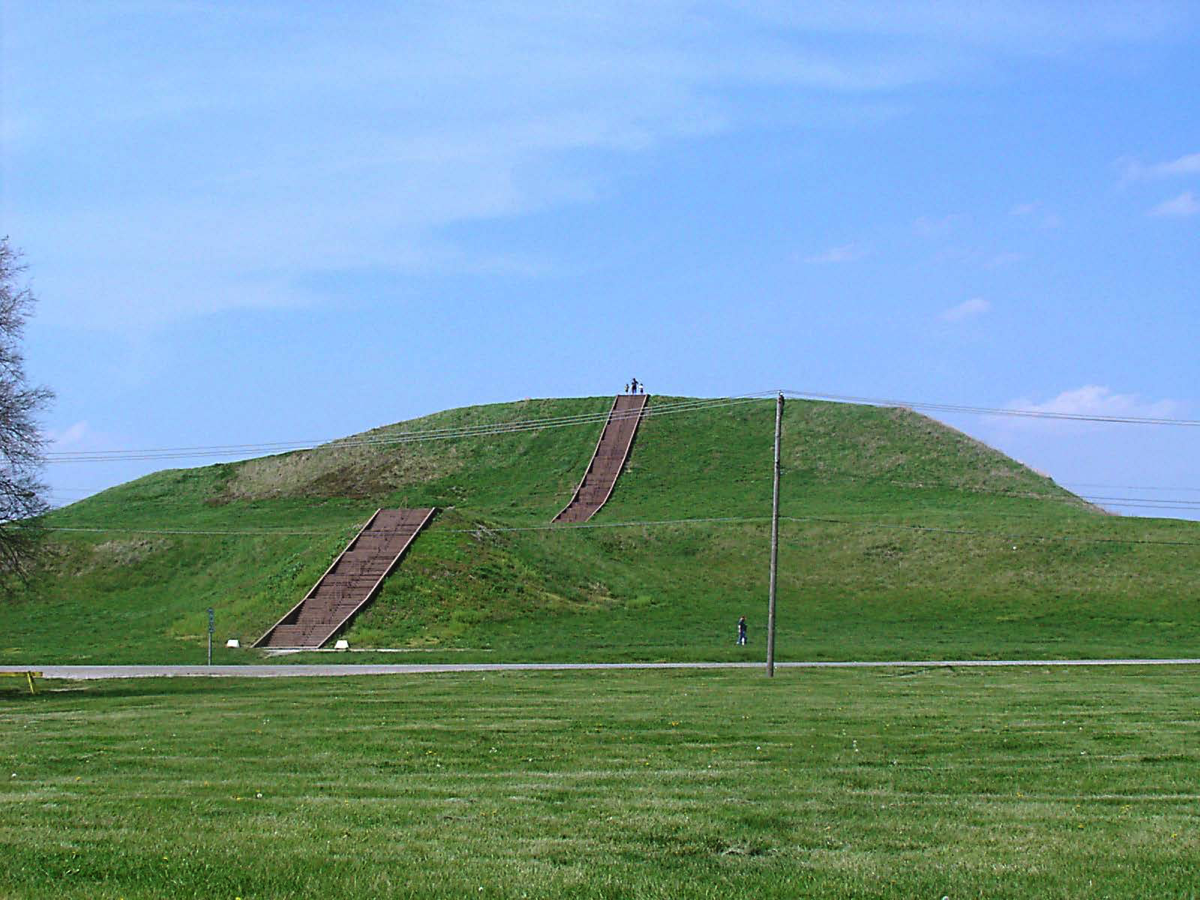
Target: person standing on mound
[(742, 632)]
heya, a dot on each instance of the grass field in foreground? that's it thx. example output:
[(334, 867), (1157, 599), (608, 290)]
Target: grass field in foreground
[(1005, 783)]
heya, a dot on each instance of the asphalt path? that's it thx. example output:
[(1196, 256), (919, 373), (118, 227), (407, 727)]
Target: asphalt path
[(88, 673)]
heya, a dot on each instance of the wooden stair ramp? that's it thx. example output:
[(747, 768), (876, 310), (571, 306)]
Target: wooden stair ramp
[(612, 452), (351, 582)]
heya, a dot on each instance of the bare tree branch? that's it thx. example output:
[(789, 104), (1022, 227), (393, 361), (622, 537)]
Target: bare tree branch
[(22, 444)]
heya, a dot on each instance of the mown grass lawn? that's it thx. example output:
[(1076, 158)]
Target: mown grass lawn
[(927, 783)]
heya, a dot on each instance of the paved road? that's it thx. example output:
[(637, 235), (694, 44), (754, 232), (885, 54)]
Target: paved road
[(85, 673)]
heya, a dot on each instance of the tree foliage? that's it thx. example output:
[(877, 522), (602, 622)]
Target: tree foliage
[(22, 445)]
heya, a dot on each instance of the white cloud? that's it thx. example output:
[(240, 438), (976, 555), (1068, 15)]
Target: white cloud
[(1003, 259), (70, 436), (968, 309), (928, 226), (1186, 204), (1094, 400), (1132, 170), (1023, 26), (1036, 212), (359, 143), (842, 254)]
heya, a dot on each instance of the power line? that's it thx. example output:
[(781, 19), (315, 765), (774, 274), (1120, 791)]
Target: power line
[(924, 484), (1008, 536), (1164, 503), (1151, 500), (583, 526), (87, 529), (994, 411), (671, 408), (227, 450), (1129, 487), (659, 523), (1066, 497), (486, 429), (418, 436), (1137, 505)]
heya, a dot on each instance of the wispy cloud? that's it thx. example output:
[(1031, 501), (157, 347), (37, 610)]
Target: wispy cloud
[(929, 226), (1024, 26), (1002, 259), (1093, 400), (1133, 170), (843, 254), (968, 309), (287, 146), (1036, 212), (1186, 204), (431, 118), (71, 436)]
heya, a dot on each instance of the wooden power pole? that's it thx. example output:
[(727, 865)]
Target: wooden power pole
[(774, 542)]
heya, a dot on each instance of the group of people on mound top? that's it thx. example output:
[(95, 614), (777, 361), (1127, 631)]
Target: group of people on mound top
[(635, 387)]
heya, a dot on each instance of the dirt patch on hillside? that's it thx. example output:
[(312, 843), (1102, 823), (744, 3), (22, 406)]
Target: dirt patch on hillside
[(340, 471), (120, 553)]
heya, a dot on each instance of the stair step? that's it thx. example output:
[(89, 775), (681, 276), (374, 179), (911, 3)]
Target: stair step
[(608, 460), (347, 586)]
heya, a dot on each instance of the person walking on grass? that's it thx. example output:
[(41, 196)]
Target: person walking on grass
[(742, 631)]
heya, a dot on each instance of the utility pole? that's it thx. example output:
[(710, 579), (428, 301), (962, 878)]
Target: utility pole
[(774, 542), (210, 634)]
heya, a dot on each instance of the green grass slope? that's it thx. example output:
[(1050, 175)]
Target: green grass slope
[(903, 539)]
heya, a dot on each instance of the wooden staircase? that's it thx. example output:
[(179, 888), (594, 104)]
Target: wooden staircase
[(612, 451), (351, 582)]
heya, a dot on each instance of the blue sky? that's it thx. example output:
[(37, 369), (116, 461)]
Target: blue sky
[(281, 221)]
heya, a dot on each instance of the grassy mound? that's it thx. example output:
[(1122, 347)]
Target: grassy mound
[(903, 539)]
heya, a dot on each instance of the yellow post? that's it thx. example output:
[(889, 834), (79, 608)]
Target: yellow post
[(29, 674)]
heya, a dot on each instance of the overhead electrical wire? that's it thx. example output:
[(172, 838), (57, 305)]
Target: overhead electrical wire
[(677, 407), (1164, 503), (408, 437), (923, 485), (657, 523), (1063, 484), (88, 529), (1129, 487), (1066, 497), (1137, 505), (1149, 500), (1014, 536), (993, 411), (420, 435)]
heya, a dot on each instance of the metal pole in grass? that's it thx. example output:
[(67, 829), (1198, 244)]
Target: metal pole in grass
[(774, 542), (210, 634)]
